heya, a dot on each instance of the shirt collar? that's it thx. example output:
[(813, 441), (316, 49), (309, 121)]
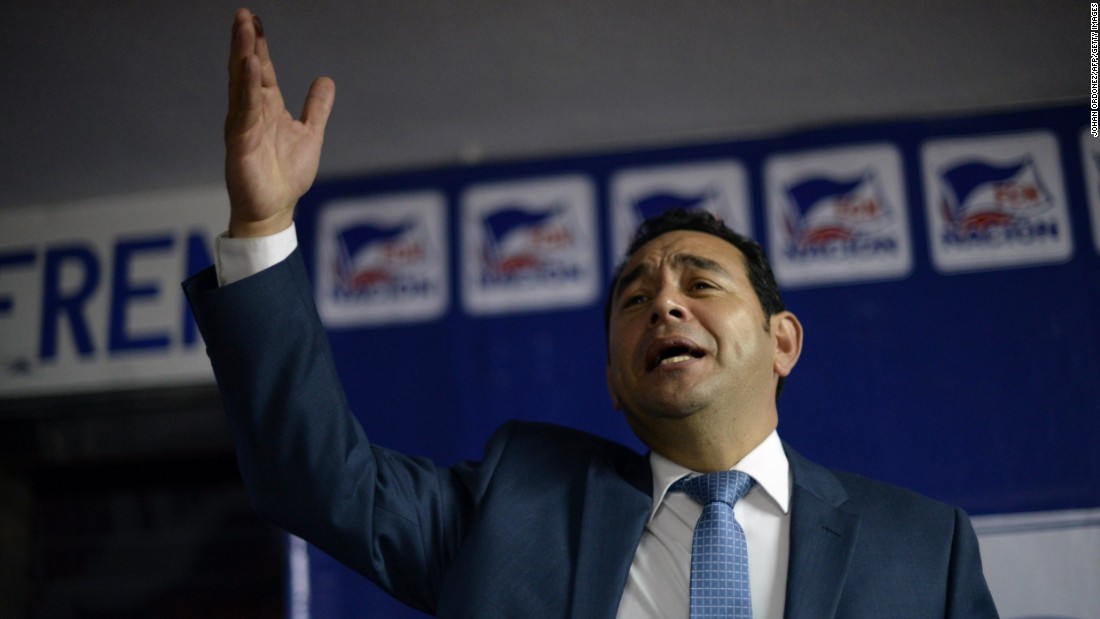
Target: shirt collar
[(766, 464)]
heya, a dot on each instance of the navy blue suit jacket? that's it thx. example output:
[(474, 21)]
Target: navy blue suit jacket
[(547, 522)]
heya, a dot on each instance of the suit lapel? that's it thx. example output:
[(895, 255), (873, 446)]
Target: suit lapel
[(615, 509), (823, 536)]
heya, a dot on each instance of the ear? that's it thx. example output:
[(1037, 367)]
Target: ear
[(787, 336), (611, 390)]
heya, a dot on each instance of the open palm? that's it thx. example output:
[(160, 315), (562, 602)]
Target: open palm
[(271, 157)]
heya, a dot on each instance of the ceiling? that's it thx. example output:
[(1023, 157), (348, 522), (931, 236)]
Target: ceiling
[(105, 98)]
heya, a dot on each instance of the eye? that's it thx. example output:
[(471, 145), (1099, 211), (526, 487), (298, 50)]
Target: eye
[(702, 285), (634, 299)]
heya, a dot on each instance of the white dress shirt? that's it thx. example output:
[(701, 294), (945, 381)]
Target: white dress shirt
[(657, 586)]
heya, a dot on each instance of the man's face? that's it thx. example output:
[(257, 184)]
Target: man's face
[(687, 334)]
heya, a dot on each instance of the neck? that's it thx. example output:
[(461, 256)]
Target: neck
[(701, 445)]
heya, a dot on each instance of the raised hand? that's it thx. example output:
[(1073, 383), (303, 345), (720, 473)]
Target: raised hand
[(271, 158)]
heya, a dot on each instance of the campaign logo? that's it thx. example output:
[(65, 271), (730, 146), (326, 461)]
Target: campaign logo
[(979, 198), (529, 245), (837, 215), (382, 260), (524, 241), (637, 194), (995, 202), (1090, 158), (828, 214), (370, 258)]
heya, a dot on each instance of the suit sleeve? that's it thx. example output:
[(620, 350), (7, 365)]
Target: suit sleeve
[(968, 594), (304, 458)]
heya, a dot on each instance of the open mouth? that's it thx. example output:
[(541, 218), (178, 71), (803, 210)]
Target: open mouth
[(671, 352)]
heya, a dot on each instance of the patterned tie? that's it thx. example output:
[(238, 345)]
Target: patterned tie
[(719, 553)]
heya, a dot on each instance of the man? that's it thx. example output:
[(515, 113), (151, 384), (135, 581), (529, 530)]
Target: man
[(553, 522)]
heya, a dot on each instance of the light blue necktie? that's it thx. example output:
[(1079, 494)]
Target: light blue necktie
[(719, 552)]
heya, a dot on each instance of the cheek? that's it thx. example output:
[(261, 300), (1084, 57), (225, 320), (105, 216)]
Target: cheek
[(619, 385), (741, 340), (619, 362), (738, 351), (619, 348)]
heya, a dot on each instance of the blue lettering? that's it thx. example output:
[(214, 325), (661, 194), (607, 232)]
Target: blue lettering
[(14, 259), (1022, 232), (124, 292), (56, 303), (539, 274), (403, 288), (858, 247)]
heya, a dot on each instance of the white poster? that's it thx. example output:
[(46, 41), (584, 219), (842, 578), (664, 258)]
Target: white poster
[(90, 295)]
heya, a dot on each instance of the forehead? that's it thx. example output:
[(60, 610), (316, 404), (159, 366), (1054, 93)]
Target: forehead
[(671, 247)]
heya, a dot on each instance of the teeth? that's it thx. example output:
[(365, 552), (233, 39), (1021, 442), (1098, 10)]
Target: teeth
[(676, 359)]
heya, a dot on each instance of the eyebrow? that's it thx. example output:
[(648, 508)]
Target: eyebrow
[(679, 260)]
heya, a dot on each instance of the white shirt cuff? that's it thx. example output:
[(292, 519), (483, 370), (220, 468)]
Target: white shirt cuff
[(236, 259)]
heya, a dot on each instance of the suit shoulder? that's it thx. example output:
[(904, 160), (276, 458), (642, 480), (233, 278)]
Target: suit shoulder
[(547, 439), (856, 492), (551, 451), (894, 503)]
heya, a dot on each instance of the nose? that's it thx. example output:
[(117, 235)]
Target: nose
[(668, 306)]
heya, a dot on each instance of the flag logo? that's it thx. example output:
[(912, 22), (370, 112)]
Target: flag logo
[(828, 211), (979, 196), (520, 241)]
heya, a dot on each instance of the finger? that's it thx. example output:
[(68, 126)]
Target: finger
[(319, 101), (244, 39), (241, 47), (253, 96), (245, 111), (261, 50)]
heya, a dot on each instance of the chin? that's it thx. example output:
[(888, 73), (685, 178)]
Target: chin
[(672, 409)]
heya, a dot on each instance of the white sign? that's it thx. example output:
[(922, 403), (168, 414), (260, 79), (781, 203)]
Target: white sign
[(837, 215), (529, 245), (383, 259), (90, 295), (995, 202)]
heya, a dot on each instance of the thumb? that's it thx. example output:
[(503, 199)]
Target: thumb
[(319, 101)]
